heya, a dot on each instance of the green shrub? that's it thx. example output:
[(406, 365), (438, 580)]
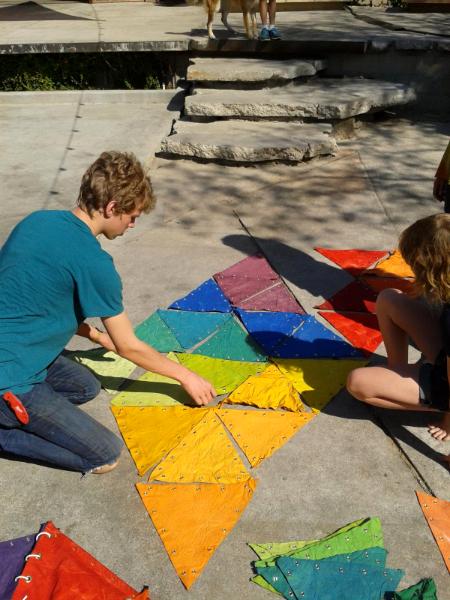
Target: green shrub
[(34, 72)]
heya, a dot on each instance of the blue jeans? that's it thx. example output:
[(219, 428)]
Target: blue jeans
[(59, 432)]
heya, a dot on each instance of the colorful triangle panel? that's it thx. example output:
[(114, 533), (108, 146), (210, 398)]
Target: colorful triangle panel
[(12, 559), (224, 375), (378, 284), (152, 389), (313, 340), (270, 389), (437, 514), (246, 278), (353, 261), (360, 329), (270, 329), (58, 568), (110, 369), (357, 535), (154, 331), (207, 297), (151, 432), (259, 433), (190, 327), (318, 381), (355, 297), (393, 266), (251, 267), (193, 520), (372, 580), (277, 298), (204, 455), (231, 342)]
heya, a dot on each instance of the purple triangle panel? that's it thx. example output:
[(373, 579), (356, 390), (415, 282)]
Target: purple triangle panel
[(252, 267), (207, 297), (239, 289), (275, 299), (12, 560)]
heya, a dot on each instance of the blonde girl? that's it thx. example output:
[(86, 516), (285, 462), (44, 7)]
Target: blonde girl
[(425, 246)]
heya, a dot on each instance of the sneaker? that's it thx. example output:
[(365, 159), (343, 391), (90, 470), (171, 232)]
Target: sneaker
[(274, 34), (264, 35)]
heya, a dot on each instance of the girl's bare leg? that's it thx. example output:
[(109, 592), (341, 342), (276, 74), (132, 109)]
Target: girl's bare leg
[(263, 12), (396, 386), (401, 318), (272, 11)]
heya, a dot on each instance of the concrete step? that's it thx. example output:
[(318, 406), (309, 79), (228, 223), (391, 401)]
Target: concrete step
[(250, 141), (250, 70), (318, 99)]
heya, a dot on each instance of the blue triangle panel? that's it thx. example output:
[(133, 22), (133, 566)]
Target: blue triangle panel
[(192, 327), (313, 340), (270, 329), (206, 297)]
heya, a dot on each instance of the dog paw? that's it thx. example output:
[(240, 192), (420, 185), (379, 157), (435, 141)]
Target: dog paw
[(211, 36)]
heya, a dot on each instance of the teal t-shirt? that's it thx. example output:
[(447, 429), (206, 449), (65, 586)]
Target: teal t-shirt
[(53, 275)]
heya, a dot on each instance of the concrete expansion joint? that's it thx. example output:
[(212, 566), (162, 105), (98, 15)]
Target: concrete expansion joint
[(415, 472)]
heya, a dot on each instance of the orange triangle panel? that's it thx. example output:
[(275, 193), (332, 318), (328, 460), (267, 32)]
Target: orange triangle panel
[(151, 432), (437, 514), (352, 261), (205, 455), (193, 520), (378, 284), (393, 266), (260, 433), (361, 329)]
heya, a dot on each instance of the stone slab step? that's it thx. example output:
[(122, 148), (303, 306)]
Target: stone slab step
[(249, 141), (318, 99), (251, 69)]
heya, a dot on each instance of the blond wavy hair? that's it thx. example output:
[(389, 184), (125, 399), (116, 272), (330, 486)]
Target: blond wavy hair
[(425, 246), (117, 176)]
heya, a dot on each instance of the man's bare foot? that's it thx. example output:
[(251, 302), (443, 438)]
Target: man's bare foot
[(105, 468), (441, 432)]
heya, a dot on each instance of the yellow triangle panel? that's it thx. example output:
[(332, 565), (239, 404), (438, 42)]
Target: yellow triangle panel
[(270, 389), (393, 266), (151, 432), (260, 433), (318, 380), (205, 455), (193, 520), (225, 375), (437, 514), (153, 390)]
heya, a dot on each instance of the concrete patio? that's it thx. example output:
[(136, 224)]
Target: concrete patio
[(350, 462)]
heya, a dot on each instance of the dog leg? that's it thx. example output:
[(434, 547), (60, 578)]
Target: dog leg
[(247, 24), (225, 9), (210, 7), (254, 26)]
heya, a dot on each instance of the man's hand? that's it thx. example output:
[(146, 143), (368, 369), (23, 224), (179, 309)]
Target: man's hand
[(130, 347), (200, 390)]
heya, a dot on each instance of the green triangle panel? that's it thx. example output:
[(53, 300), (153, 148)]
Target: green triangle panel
[(231, 342)]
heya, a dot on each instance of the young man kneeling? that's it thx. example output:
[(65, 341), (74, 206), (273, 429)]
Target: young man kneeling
[(54, 275)]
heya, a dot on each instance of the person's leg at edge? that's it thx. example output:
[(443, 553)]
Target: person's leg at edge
[(59, 433), (264, 33), (397, 385)]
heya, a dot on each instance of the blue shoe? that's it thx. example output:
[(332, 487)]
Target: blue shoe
[(264, 35), (274, 34)]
